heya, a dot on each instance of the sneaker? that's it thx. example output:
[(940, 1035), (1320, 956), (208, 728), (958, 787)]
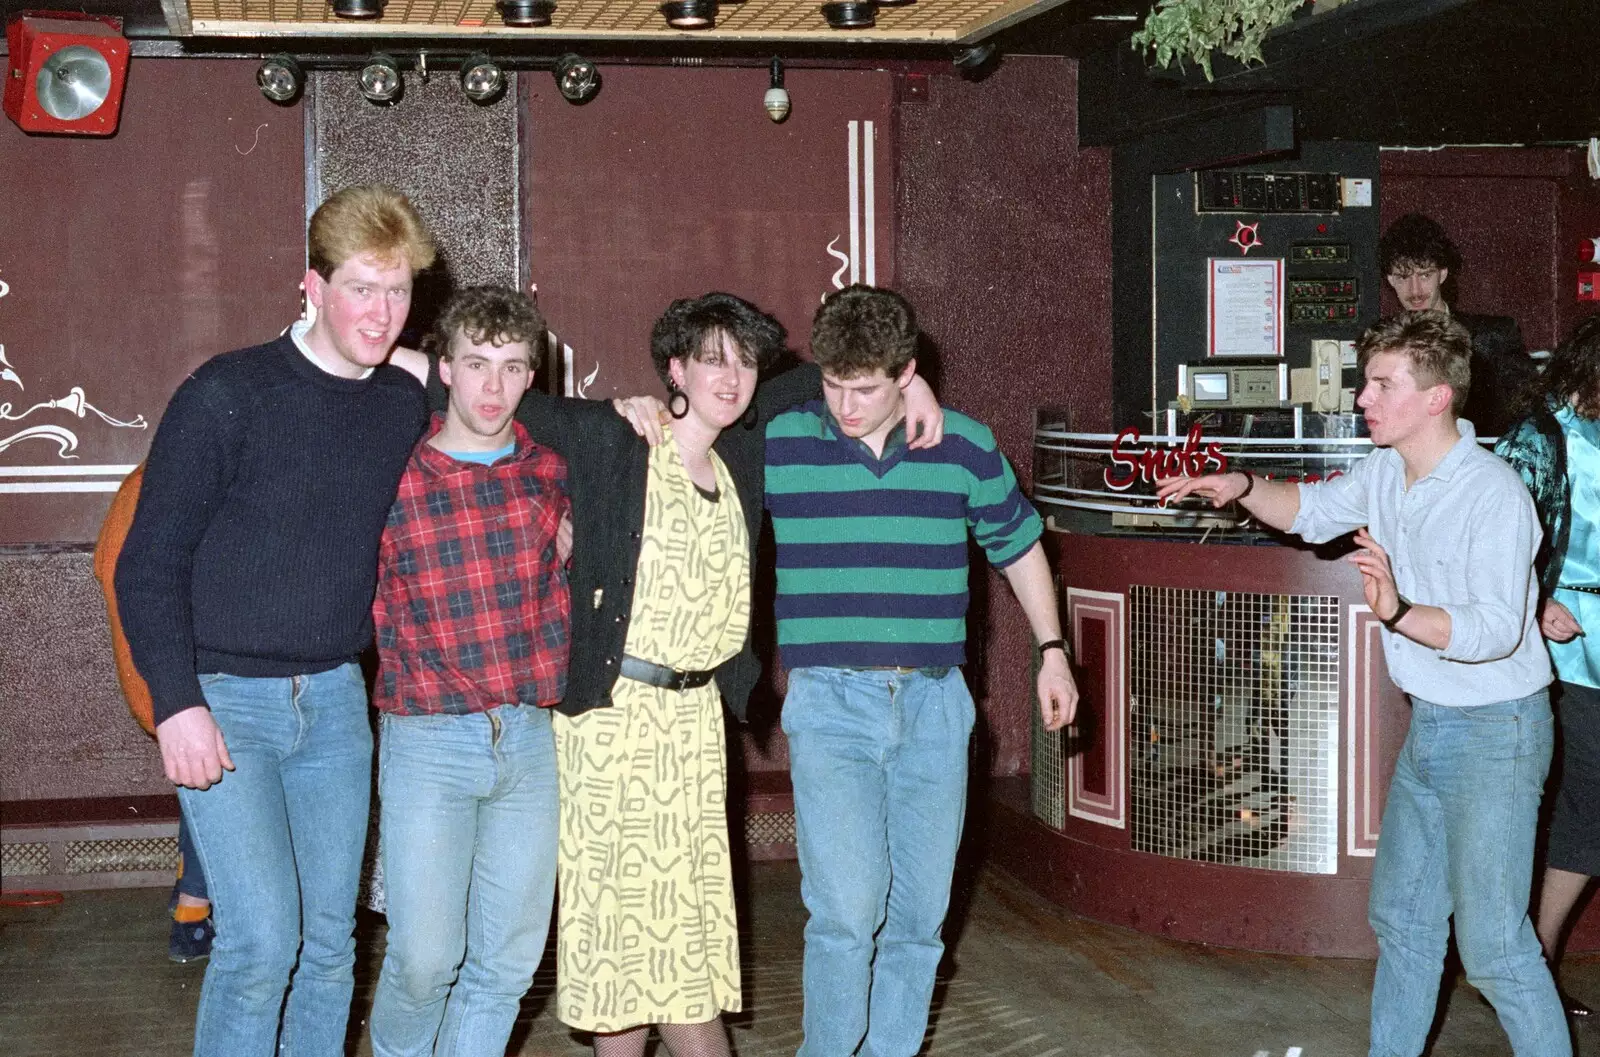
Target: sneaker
[(190, 941)]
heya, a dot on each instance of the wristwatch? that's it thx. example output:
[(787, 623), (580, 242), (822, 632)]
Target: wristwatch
[(1056, 644), (1400, 610)]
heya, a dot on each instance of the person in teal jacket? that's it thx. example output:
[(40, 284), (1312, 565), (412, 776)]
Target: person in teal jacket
[(1556, 449)]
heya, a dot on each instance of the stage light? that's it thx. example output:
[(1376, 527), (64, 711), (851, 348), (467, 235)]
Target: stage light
[(577, 78), (526, 13), (690, 14), (380, 80), (280, 79), (776, 101), (481, 80), (851, 14), (66, 72), (358, 9)]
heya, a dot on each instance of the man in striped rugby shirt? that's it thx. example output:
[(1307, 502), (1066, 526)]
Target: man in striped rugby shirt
[(871, 607)]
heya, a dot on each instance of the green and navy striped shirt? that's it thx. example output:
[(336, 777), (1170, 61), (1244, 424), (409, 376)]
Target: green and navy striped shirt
[(872, 553)]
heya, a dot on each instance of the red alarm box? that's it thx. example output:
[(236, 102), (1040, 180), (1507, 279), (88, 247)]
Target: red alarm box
[(66, 72)]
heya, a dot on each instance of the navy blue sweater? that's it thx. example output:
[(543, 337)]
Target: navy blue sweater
[(254, 549)]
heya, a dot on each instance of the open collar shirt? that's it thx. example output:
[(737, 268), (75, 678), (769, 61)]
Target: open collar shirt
[(472, 609), (1461, 538)]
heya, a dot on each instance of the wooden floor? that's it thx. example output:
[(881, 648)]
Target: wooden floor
[(91, 977)]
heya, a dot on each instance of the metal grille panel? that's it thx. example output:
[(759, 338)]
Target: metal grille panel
[(769, 827), (24, 860), (1048, 773), (1233, 736), (122, 855)]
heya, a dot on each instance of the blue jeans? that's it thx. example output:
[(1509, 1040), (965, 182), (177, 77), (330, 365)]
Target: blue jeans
[(468, 817), (1457, 839), (280, 841), (879, 765), (191, 876)]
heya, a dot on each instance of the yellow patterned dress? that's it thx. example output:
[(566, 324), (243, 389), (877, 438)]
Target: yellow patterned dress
[(646, 926)]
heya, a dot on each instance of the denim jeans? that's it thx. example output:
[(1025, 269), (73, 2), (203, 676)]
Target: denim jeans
[(191, 876), (280, 841), (468, 817), (879, 765), (1457, 839)]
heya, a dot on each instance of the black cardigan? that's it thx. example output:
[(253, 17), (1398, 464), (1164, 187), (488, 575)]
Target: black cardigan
[(607, 467)]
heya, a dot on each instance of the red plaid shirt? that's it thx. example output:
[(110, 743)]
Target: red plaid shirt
[(472, 610)]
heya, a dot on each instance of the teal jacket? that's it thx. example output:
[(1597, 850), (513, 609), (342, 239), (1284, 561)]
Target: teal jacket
[(1536, 448)]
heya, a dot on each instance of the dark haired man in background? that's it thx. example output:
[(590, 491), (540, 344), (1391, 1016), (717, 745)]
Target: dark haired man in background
[(1420, 263)]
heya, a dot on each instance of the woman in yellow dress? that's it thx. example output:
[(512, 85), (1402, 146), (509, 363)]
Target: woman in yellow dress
[(660, 580), (647, 931)]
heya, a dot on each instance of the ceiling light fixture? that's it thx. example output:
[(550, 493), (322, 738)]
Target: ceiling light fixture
[(776, 101), (851, 14), (690, 14), (481, 80), (380, 80), (577, 78), (526, 14), (358, 9), (280, 79)]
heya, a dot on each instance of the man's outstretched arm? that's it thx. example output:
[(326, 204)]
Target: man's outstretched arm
[(1273, 503)]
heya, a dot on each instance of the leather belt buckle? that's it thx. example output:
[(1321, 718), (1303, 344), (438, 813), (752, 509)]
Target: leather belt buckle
[(662, 677)]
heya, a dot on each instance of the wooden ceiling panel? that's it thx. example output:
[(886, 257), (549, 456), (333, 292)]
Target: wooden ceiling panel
[(922, 22)]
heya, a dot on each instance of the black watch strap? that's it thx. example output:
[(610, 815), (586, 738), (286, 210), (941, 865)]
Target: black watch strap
[(1055, 644), (1399, 611)]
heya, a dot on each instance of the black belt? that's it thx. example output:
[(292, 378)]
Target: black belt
[(932, 671), (1585, 590), (653, 674)]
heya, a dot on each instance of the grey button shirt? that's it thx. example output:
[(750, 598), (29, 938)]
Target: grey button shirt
[(1463, 539)]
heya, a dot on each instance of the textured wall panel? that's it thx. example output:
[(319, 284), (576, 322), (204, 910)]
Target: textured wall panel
[(1005, 249), (456, 160), (64, 728)]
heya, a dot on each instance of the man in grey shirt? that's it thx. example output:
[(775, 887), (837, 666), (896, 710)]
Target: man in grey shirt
[(1445, 538)]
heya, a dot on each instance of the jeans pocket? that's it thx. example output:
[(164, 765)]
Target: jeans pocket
[(794, 700)]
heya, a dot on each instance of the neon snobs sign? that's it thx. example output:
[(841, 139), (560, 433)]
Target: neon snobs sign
[(1194, 458)]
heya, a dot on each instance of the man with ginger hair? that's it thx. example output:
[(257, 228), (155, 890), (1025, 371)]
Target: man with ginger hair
[(245, 588)]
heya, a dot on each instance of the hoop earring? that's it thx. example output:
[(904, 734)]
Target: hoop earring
[(673, 399)]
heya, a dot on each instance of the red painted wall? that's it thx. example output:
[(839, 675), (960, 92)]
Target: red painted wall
[(1005, 249)]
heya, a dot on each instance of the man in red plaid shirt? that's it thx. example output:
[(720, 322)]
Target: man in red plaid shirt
[(472, 616)]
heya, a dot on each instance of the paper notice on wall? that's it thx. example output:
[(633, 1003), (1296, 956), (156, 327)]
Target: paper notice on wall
[(1244, 307)]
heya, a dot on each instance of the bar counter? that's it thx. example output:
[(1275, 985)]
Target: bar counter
[(1225, 780)]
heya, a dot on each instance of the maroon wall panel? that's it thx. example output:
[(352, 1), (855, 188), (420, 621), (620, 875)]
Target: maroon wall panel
[(1005, 249), (1516, 215), (125, 262), (673, 182), (1093, 661), (129, 260)]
